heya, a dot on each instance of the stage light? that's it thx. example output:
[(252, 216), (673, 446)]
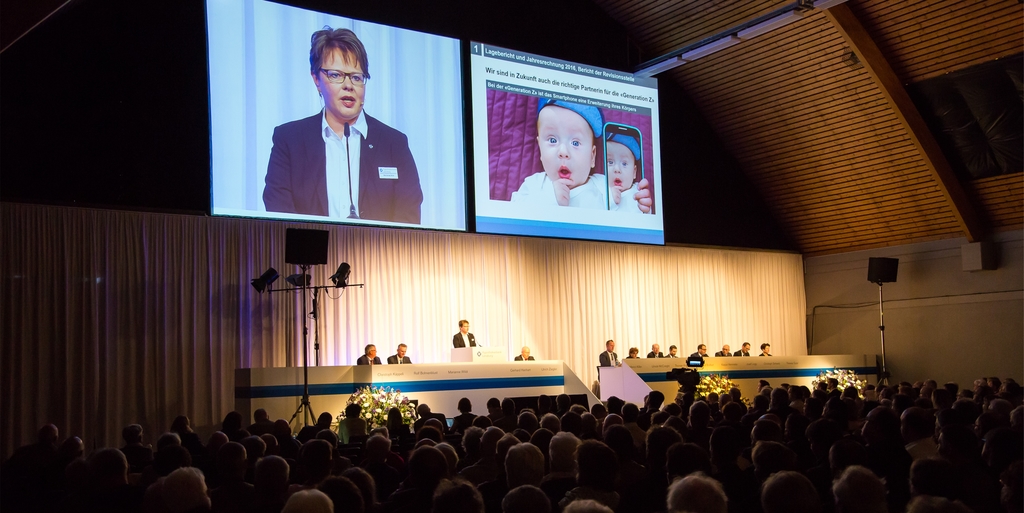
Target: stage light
[(265, 279), (298, 280), (340, 278)]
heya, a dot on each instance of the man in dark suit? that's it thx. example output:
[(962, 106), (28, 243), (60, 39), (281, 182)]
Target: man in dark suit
[(608, 358), (745, 351), (369, 356), (702, 352), (399, 358), (725, 351), (672, 349), (384, 174), (464, 338), (655, 352), (524, 355)]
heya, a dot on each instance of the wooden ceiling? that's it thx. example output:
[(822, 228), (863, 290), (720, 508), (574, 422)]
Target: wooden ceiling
[(836, 148)]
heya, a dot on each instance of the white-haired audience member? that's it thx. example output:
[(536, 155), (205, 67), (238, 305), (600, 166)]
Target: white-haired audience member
[(524, 465), (184, 491), (586, 506), (308, 501), (696, 493), (526, 499), (858, 490), (789, 492)]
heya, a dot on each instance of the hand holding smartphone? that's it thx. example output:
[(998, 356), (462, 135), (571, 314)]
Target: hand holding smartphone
[(623, 165)]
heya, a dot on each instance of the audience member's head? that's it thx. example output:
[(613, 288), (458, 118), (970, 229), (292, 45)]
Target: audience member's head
[(845, 453), (858, 490), (572, 423), (109, 468), (271, 476), (586, 506), (659, 439), (524, 465), (932, 476), (451, 456), (683, 459), (562, 450), (696, 493), (364, 482), (457, 497), (598, 466), (528, 421), (427, 466), (789, 492), (771, 457), (526, 499), (344, 494), (308, 501), (231, 462), (927, 504), (184, 491)]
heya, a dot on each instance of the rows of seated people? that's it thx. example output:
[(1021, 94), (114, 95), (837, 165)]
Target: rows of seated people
[(916, 447)]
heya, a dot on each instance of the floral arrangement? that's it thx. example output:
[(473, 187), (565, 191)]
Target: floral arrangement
[(713, 383), (845, 377), (375, 403)]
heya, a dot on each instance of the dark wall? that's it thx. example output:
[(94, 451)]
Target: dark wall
[(105, 104)]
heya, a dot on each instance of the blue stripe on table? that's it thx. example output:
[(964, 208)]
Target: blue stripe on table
[(762, 374), (440, 385)]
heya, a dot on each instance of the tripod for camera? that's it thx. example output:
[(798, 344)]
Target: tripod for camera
[(304, 404), (883, 379)]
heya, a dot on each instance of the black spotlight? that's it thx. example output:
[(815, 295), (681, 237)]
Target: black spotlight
[(340, 278), (265, 279), (298, 280)]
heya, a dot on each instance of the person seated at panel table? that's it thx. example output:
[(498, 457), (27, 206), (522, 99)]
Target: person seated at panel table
[(672, 350), (608, 358), (464, 338), (369, 356), (655, 352), (744, 351), (399, 357), (702, 352), (633, 353), (765, 350), (725, 351), (524, 355)]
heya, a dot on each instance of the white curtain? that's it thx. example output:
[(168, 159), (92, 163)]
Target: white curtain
[(113, 317)]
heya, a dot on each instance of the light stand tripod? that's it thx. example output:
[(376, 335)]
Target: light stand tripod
[(304, 404), (883, 379)]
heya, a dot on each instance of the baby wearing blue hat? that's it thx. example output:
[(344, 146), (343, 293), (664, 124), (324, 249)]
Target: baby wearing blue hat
[(621, 155), (566, 135)]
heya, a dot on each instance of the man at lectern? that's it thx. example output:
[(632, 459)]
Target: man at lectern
[(369, 356), (399, 357), (608, 358), (525, 355), (464, 338)]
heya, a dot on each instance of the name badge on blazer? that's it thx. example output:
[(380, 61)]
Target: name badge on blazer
[(387, 173)]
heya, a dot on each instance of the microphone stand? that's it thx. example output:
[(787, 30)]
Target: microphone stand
[(348, 161)]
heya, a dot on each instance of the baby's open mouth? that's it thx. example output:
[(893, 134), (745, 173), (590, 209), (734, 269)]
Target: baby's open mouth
[(564, 172), (617, 182)]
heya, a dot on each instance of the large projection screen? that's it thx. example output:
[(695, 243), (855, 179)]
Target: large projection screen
[(563, 149), (273, 151)]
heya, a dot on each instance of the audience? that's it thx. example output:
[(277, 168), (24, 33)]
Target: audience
[(908, 447)]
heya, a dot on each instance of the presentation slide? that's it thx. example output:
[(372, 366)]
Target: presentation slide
[(317, 117), (563, 149)]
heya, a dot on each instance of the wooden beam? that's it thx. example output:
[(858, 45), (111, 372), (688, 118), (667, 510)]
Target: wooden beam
[(881, 71)]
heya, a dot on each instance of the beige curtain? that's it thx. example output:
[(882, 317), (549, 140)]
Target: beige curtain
[(113, 317)]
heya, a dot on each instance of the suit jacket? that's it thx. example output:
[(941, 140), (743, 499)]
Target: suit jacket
[(296, 179), (741, 353), (520, 358), (652, 355), (363, 360), (697, 355), (762, 354), (457, 340), (393, 359), (605, 361), (723, 353)]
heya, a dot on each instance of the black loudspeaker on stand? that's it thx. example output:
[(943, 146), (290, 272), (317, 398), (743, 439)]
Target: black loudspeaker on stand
[(882, 270)]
